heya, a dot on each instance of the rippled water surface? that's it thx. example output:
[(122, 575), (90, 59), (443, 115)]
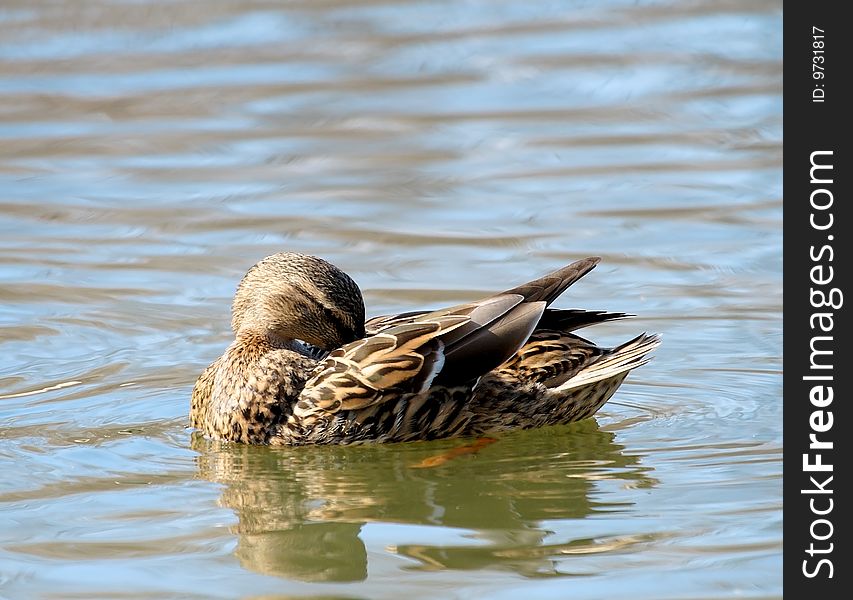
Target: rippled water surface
[(150, 152)]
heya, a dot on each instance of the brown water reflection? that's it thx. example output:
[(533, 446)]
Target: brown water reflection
[(301, 510)]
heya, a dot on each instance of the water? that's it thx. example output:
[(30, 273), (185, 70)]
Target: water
[(436, 151)]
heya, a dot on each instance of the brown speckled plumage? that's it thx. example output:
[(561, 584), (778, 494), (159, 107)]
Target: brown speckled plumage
[(301, 371)]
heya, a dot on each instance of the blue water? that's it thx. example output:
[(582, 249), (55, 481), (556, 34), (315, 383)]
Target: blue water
[(436, 151)]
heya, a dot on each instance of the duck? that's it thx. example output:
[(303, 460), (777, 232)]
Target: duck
[(306, 368)]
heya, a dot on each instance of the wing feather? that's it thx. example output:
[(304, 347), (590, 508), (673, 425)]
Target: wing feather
[(407, 353), (403, 359)]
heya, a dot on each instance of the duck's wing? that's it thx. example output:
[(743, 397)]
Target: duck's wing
[(544, 289), (409, 352), (448, 347), (548, 287), (382, 322)]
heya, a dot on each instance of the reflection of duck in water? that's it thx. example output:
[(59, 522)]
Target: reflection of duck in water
[(324, 513), (299, 371)]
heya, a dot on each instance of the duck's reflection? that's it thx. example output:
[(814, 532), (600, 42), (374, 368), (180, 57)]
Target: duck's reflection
[(301, 510)]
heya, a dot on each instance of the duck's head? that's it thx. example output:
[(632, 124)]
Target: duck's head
[(290, 296)]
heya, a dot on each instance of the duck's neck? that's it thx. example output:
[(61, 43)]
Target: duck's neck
[(261, 342)]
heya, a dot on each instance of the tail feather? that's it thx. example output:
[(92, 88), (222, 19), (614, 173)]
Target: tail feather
[(571, 319), (623, 358)]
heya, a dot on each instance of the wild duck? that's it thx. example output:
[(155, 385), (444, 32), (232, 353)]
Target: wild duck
[(305, 367)]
